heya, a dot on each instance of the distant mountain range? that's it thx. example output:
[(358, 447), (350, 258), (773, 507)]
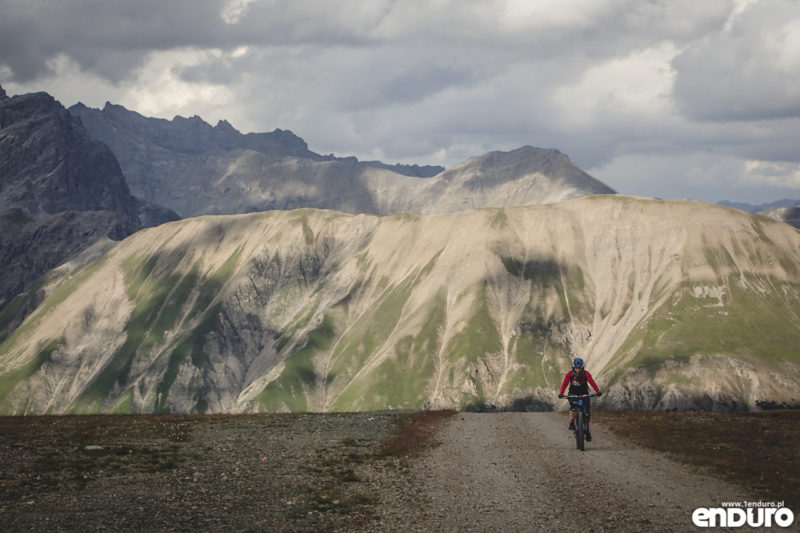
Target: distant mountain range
[(356, 285), (786, 211), (744, 206), (788, 215), (196, 169), (62, 188)]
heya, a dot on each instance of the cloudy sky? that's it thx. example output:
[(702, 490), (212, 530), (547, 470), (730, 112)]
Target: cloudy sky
[(665, 98)]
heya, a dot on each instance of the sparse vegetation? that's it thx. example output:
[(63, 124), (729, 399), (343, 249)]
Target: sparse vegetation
[(310, 472), (298, 472), (363, 339), (325, 320), (298, 375), (747, 326), (415, 431), (758, 450)]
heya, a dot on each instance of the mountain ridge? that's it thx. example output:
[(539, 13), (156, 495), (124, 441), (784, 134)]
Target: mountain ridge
[(313, 310), (354, 287), (260, 172), (758, 208), (789, 215)]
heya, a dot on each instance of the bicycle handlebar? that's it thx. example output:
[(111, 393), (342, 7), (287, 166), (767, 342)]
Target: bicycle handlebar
[(568, 396)]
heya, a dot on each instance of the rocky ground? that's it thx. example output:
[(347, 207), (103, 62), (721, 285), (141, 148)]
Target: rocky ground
[(383, 471), (233, 473)]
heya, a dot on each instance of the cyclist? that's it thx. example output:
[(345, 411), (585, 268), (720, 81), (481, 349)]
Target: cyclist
[(579, 380)]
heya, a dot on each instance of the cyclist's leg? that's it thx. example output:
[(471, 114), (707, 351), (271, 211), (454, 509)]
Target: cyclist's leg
[(573, 406)]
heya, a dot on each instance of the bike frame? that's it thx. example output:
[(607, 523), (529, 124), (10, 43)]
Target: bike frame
[(580, 419)]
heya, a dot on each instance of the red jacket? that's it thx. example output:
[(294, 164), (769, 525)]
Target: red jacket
[(578, 382)]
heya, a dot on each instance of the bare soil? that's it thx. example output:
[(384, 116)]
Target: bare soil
[(759, 450), (384, 471), (275, 472)]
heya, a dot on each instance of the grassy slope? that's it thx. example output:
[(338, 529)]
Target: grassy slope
[(164, 299), (747, 322), (754, 319)]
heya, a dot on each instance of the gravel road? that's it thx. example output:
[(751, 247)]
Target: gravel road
[(521, 472), (498, 472)]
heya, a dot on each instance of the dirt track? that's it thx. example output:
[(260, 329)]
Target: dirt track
[(499, 472), (521, 472)]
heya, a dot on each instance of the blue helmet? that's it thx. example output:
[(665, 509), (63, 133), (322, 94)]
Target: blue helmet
[(577, 363)]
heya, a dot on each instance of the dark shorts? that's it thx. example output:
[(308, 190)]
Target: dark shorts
[(573, 404)]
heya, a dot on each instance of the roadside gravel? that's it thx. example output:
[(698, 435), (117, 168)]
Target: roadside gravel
[(521, 472), (277, 472), (493, 472)]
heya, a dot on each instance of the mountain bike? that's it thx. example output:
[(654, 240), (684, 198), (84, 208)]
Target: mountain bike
[(580, 418)]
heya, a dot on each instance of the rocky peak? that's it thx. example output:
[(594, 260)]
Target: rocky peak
[(788, 215), (61, 191), (117, 126), (557, 177), (58, 167), (224, 125), (3, 95)]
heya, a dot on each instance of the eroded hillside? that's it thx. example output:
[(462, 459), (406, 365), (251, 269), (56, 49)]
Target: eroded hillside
[(672, 304)]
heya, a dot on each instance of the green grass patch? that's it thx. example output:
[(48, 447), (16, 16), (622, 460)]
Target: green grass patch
[(190, 349), (10, 380), (308, 233), (370, 331), (287, 335), (719, 259), (473, 344), (136, 271), (479, 337), (162, 298), (749, 325), (402, 380), (298, 375), (156, 311), (537, 358), (499, 220), (61, 292)]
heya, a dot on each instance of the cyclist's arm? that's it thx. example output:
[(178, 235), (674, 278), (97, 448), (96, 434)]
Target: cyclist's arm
[(564, 383), (590, 379)]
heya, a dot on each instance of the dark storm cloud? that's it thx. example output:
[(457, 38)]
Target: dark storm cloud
[(88, 30), (674, 89), (109, 38), (113, 37)]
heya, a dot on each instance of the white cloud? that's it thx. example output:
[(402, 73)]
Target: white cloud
[(639, 84), (233, 10), (784, 44), (747, 71), (159, 93), (711, 176), (773, 174), (68, 83), (551, 14)]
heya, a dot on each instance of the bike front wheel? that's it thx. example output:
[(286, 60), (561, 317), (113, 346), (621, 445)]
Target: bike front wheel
[(579, 429)]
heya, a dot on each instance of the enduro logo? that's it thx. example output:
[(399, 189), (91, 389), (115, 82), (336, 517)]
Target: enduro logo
[(738, 514)]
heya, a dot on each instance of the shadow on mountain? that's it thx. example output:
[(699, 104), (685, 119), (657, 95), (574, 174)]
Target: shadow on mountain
[(526, 404)]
